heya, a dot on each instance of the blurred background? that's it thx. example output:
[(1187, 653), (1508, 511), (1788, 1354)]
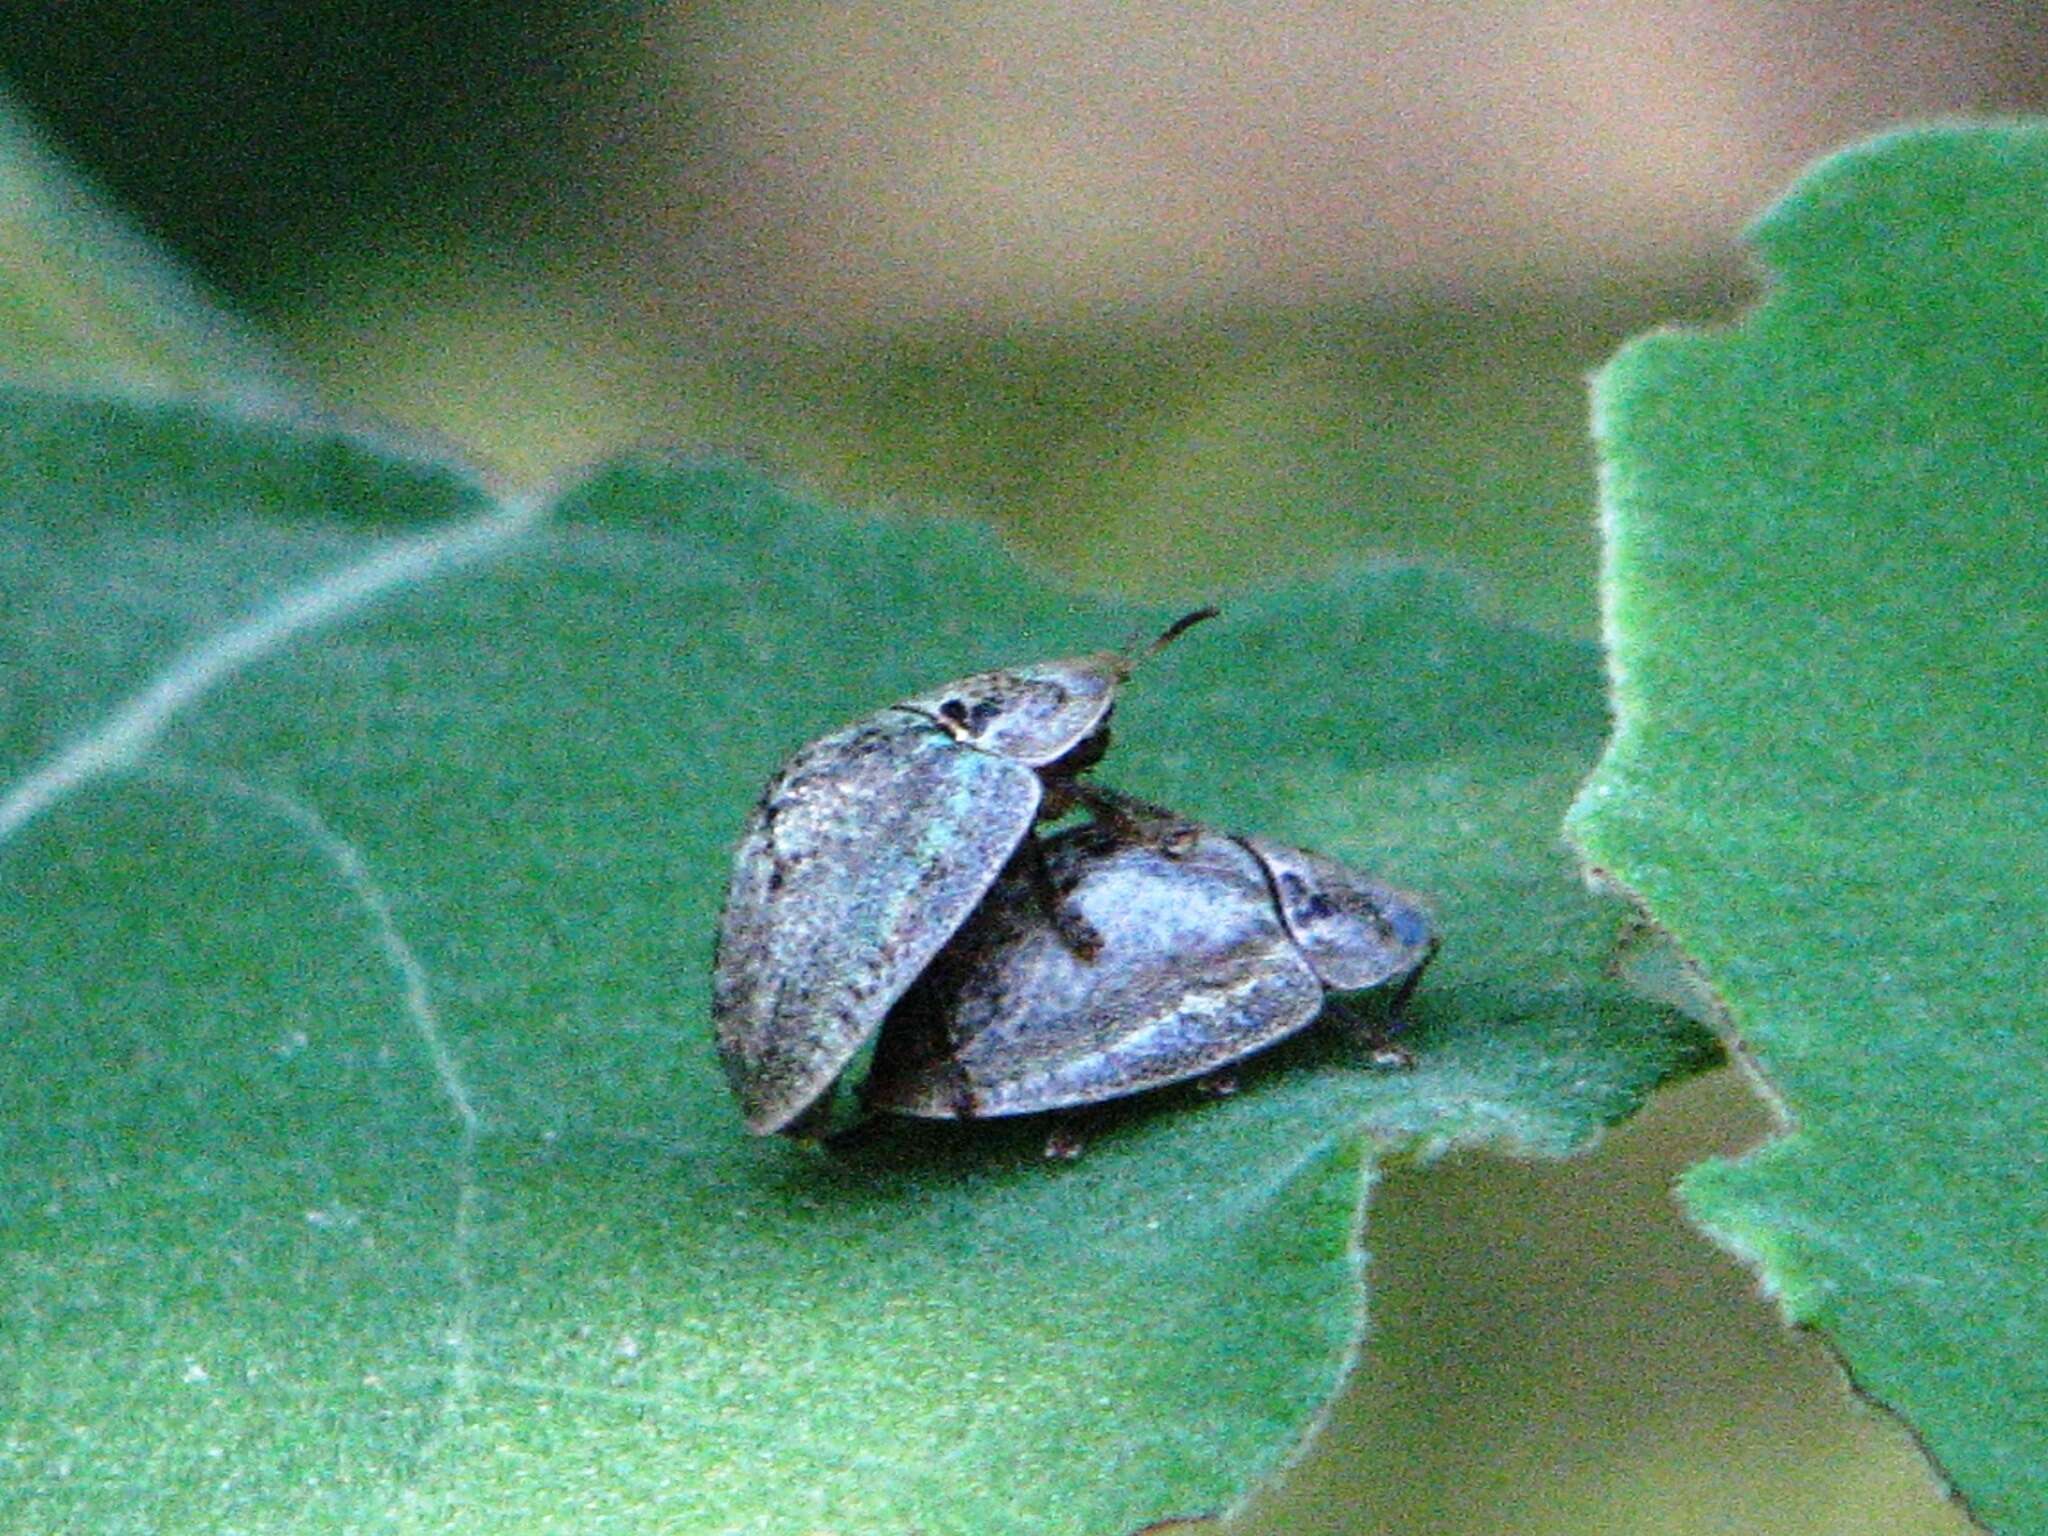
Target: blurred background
[(1183, 297)]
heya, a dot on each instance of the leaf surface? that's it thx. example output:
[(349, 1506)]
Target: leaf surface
[(369, 1163), (1827, 597)]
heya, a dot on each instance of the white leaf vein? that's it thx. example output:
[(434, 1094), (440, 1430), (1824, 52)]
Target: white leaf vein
[(136, 724)]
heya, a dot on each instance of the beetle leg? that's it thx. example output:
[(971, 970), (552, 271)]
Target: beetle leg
[(1075, 931), (1397, 1010), (1063, 1143), (1217, 1085), (960, 1091), (1138, 820), (1385, 1052)]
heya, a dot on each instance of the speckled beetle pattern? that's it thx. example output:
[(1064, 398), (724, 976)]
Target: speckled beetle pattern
[(1209, 952), (871, 846)]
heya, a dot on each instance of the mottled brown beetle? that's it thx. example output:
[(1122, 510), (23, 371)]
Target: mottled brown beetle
[(872, 845), (1209, 953)]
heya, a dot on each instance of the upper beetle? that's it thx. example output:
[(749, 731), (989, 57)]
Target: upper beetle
[(1210, 951), (872, 845)]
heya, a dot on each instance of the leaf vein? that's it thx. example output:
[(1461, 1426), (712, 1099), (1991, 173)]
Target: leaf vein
[(424, 1018), (135, 725)]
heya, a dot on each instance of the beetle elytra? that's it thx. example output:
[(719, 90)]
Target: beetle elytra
[(1208, 954), (871, 846)]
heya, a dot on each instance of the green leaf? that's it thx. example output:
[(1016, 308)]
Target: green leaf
[(1827, 603), (368, 1162), (87, 299)]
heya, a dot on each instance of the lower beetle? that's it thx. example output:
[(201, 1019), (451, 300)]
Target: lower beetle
[(1213, 947)]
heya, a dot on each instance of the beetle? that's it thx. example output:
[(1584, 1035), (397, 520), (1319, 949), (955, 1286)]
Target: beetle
[(1209, 953), (870, 847)]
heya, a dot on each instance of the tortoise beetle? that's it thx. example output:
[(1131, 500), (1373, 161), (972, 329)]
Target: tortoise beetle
[(870, 847), (1208, 955)]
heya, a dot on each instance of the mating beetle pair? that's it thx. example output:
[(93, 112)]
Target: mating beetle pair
[(890, 884)]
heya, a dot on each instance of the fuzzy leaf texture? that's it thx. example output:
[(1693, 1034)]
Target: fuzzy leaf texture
[(1827, 600), (369, 1166)]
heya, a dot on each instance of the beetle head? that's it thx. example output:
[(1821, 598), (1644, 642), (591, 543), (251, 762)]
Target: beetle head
[(1355, 932), (1043, 713)]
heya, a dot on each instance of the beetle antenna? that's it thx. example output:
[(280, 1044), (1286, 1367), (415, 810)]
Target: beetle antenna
[(1180, 626)]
